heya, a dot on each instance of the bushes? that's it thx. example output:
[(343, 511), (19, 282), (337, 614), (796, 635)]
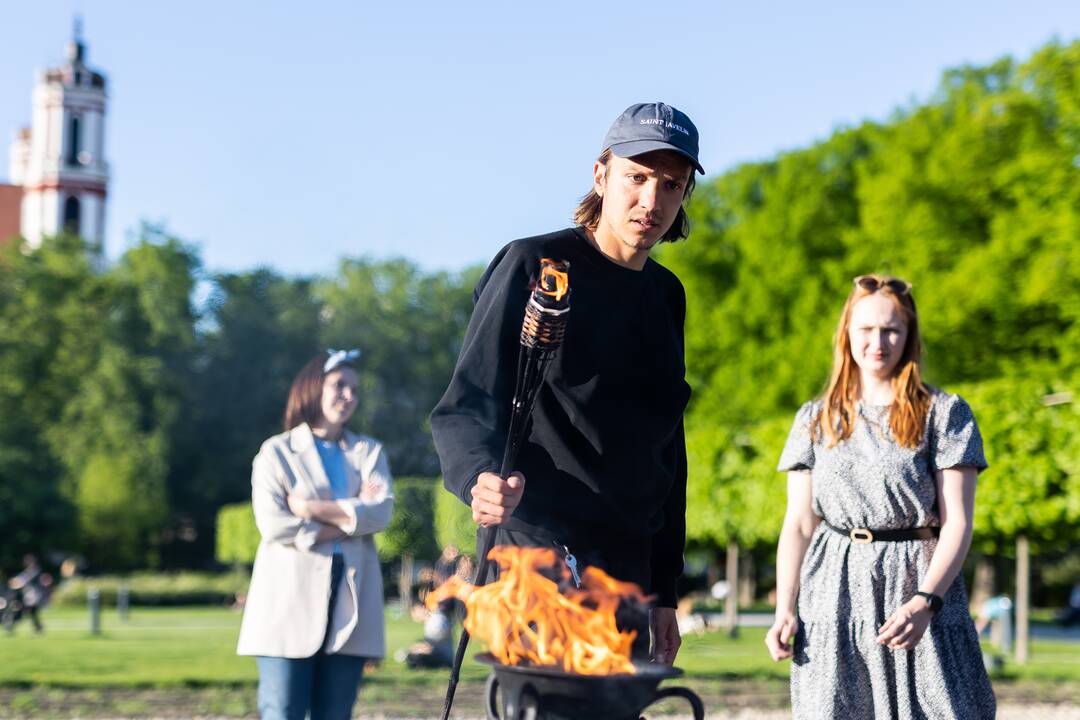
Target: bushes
[(412, 528), (453, 522), (237, 537), (186, 588)]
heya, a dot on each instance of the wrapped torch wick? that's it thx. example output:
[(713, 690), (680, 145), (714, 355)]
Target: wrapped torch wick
[(542, 332), (545, 313)]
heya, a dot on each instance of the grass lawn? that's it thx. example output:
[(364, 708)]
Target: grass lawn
[(163, 654)]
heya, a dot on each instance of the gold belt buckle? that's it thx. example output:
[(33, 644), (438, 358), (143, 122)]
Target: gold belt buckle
[(861, 536)]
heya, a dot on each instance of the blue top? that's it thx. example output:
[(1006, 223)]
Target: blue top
[(333, 462)]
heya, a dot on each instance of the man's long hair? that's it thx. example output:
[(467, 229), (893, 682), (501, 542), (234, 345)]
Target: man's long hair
[(911, 398), (587, 213)]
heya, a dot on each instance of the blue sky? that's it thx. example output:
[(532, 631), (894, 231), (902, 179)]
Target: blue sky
[(268, 133)]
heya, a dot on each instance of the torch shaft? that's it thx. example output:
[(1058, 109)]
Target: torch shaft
[(531, 367), (542, 333)]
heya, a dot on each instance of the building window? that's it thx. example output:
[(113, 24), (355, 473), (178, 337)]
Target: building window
[(72, 210), (74, 137)]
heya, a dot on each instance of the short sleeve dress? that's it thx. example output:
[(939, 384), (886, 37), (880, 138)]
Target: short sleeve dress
[(848, 590)]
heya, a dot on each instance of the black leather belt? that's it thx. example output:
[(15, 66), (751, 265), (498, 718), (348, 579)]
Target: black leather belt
[(863, 536)]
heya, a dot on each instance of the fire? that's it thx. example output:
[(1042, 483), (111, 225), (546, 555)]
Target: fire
[(525, 618), (455, 587), (553, 278)]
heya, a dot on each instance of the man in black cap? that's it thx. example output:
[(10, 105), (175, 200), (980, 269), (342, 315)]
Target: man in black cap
[(602, 475)]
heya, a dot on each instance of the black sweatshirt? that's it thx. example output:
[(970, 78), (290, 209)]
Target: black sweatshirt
[(605, 460)]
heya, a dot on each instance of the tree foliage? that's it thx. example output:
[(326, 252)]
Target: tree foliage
[(453, 523), (256, 331), (1033, 444), (409, 326), (140, 410), (238, 536), (47, 299), (412, 529), (136, 394), (973, 197)]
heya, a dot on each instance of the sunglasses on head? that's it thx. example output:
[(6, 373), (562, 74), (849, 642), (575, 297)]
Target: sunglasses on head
[(873, 283)]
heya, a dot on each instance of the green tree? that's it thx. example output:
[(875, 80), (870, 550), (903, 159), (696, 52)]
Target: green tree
[(48, 323), (1032, 487), (156, 321), (733, 486), (409, 326), (90, 359), (453, 522), (972, 196), (237, 535), (412, 529), (257, 329), (117, 435)]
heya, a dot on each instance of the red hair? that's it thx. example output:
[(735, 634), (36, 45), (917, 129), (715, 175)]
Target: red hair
[(911, 397)]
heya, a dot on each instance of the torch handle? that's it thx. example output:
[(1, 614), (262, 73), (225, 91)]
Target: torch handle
[(533, 359), (485, 542)]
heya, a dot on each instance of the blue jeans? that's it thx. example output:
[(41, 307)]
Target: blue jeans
[(324, 685)]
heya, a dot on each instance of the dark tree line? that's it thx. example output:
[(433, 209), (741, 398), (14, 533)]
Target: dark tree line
[(131, 412)]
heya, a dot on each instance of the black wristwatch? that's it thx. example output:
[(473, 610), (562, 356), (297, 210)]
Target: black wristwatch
[(933, 600)]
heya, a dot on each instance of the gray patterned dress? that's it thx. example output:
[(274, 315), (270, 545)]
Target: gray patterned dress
[(848, 590)]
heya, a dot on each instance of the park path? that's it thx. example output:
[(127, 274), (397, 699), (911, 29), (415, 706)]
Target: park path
[(1006, 712)]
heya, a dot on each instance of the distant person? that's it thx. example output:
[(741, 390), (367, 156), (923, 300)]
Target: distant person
[(881, 492), (29, 593), (71, 568), (442, 606), (7, 602), (314, 610), (436, 650), (446, 565), (991, 609), (1071, 614)]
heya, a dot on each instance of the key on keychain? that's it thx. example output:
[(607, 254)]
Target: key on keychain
[(571, 562)]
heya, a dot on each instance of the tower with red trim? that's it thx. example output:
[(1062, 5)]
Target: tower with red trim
[(59, 161)]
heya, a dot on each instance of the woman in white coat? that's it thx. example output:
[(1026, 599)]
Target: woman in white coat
[(314, 611)]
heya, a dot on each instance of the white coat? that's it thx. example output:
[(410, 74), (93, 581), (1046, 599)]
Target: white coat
[(286, 613)]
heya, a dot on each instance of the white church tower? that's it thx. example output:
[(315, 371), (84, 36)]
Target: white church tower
[(60, 160)]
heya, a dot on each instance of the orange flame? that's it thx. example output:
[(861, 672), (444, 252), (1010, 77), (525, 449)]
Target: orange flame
[(525, 619), (552, 277), (455, 587)]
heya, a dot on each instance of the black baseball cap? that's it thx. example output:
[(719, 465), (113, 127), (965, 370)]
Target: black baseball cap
[(646, 127)]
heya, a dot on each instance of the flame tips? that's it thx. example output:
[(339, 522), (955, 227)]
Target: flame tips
[(455, 587), (554, 278)]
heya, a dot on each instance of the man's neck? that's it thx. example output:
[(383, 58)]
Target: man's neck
[(615, 251)]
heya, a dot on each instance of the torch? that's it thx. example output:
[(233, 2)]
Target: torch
[(542, 333)]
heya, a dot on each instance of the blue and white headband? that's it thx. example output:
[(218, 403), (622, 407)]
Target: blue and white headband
[(339, 357)]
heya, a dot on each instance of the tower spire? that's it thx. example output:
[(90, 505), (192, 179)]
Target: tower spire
[(76, 50), (65, 175)]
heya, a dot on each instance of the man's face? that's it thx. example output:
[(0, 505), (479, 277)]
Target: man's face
[(641, 195)]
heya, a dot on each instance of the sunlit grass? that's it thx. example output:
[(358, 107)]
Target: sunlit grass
[(195, 647)]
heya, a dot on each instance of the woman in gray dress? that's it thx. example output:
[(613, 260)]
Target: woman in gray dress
[(881, 492)]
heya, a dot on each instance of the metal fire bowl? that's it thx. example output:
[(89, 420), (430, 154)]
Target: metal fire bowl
[(554, 694)]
